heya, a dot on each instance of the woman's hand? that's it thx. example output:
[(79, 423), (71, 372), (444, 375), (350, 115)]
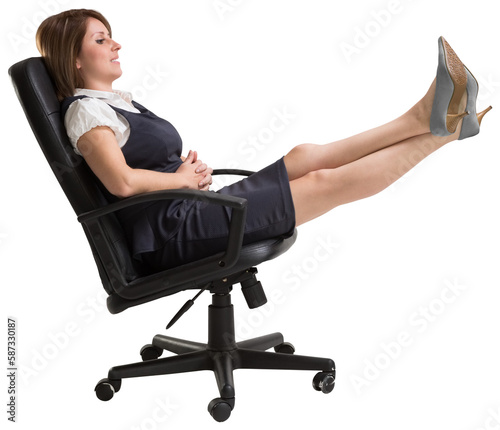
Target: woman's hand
[(197, 174)]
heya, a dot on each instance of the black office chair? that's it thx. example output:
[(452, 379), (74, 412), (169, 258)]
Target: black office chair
[(128, 284)]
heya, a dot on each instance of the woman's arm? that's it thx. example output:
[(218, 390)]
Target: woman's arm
[(103, 155)]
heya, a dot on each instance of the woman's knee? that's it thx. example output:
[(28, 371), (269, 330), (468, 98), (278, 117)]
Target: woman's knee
[(300, 160), (320, 180), (304, 150)]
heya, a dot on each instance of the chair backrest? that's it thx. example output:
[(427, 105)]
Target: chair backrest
[(36, 93)]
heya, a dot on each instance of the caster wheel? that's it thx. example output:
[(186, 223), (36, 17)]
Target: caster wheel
[(324, 381), (150, 352), (220, 409), (106, 389), (285, 348)]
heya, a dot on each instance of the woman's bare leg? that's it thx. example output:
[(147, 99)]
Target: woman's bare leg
[(309, 157), (319, 191)]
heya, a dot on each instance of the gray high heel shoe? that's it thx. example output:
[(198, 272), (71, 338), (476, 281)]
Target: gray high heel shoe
[(471, 123), (451, 86)]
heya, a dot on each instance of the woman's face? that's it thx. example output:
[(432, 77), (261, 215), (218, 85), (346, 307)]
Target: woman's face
[(97, 60)]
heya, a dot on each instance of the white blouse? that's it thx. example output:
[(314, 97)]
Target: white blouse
[(94, 111)]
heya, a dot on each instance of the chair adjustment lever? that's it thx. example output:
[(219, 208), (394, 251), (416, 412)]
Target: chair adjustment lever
[(185, 307)]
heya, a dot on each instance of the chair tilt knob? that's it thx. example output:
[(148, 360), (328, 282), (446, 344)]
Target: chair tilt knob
[(253, 292)]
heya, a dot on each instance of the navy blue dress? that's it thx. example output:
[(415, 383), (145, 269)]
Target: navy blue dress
[(170, 233)]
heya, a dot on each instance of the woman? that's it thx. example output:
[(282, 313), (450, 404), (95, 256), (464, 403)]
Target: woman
[(133, 151)]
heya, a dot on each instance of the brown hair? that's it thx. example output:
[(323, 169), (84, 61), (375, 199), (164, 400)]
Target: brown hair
[(59, 40)]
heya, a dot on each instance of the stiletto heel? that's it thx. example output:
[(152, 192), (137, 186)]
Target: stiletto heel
[(480, 115), (470, 125), (451, 86)]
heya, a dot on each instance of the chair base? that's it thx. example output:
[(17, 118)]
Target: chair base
[(222, 355)]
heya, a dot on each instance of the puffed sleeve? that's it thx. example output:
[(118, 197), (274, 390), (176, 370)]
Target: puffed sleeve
[(85, 114)]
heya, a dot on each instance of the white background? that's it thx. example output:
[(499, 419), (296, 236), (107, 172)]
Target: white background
[(355, 280)]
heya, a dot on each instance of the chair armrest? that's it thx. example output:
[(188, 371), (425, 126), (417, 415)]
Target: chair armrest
[(212, 198), (178, 275), (232, 172)]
